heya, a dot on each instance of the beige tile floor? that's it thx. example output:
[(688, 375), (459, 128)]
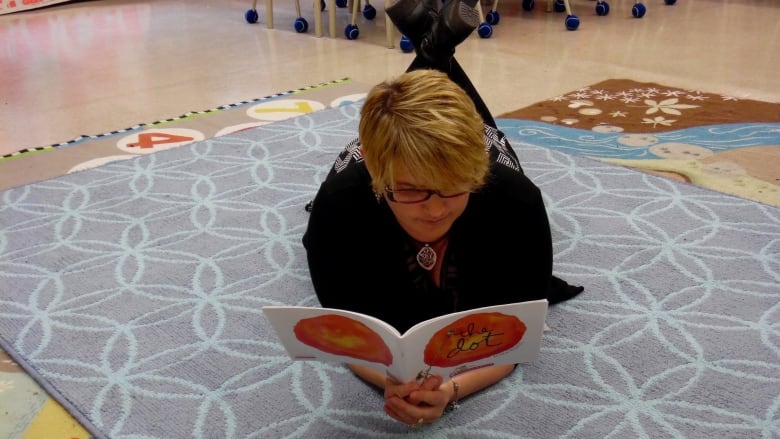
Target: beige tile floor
[(93, 66)]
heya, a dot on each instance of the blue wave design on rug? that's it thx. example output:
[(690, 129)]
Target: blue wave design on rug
[(609, 145), (133, 291)]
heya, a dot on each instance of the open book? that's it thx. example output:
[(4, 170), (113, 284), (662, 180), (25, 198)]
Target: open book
[(447, 345)]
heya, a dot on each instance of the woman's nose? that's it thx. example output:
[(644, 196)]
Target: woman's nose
[(435, 206)]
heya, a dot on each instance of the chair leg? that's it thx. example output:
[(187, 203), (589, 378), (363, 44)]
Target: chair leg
[(269, 12), (332, 18), (352, 31), (355, 10), (389, 28), (568, 7), (317, 18)]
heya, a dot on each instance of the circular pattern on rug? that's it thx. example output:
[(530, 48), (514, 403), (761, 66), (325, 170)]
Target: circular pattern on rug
[(347, 99), (280, 109), (100, 161), (158, 139), (239, 127)]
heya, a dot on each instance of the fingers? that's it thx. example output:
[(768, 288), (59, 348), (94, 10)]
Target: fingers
[(427, 405), (406, 413), (431, 398), (432, 382), (399, 414), (394, 388), (415, 403), (400, 390), (428, 393)]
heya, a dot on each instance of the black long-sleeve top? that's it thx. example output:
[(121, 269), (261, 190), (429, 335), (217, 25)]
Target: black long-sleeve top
[(360, 259)]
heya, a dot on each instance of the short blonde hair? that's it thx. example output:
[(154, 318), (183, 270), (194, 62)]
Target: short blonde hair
[(425, 123)]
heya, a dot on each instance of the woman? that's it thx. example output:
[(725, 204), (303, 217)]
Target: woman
[(429, 212)]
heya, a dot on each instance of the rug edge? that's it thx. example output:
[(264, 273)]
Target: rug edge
[(707, 190), (52, 391)]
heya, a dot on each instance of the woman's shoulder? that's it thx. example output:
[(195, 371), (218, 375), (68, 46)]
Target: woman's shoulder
[(500, 151), (506, 193), (506, 173), (348, 170), (348, 158), (346, 192)]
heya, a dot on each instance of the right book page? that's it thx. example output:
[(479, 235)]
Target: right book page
[(456, 343)]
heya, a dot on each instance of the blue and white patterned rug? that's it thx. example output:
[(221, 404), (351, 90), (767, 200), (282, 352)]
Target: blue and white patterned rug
[(132, 292)]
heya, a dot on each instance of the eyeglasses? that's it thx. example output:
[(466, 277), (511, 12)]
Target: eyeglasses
[(409, 196)]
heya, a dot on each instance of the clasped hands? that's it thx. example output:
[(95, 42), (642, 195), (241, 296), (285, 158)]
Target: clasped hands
[(417, 402)]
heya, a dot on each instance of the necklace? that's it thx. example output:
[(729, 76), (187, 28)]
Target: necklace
[(427, 256)]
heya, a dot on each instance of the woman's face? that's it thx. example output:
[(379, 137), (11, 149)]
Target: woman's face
[(428, 220)]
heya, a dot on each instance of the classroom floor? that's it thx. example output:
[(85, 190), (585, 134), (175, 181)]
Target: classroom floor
[(92, 66)]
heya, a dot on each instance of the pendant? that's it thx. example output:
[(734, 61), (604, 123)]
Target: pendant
[(426, 257)]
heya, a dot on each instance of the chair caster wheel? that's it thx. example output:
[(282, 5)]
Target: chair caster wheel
[(351, 32), (301, 25), (485, 30), (251, 16), (639, 10), (602, 8), (572, 22), (369, 12), (492, 18), (406, 44)]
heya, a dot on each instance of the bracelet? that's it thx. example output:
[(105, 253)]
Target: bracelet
[(454, 405)]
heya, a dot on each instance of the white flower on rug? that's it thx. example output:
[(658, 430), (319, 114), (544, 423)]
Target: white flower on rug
[(674, 93), (580, 95), (668, 106), (658, 120)]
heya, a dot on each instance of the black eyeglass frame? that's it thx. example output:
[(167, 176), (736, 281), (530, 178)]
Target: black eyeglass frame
[(390, 194)]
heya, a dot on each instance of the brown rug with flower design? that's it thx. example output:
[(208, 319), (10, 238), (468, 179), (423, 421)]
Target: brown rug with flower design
[(715, 141)]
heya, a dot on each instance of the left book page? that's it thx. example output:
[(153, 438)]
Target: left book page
[(446, 345), (327, 334)]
